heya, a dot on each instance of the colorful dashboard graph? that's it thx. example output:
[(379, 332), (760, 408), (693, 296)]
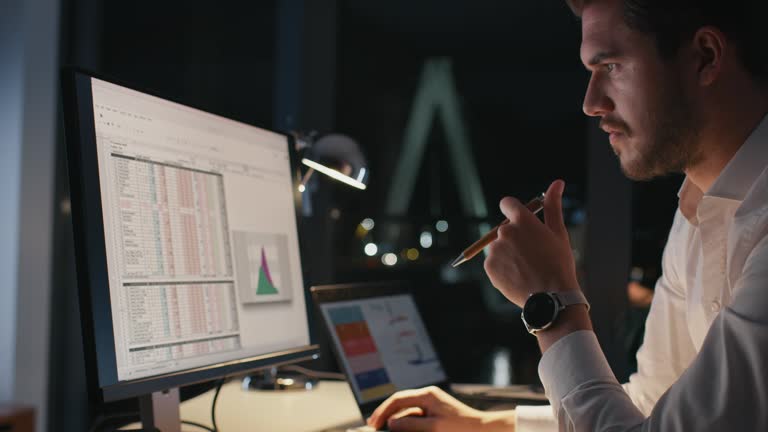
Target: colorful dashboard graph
[(262, 268), (359, 347)]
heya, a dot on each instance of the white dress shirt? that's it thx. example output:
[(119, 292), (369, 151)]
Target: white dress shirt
[(703, 364)]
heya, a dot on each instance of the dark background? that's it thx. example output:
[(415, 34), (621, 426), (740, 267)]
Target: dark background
[(354, 67)]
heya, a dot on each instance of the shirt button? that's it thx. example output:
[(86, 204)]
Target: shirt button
[(715, 306)]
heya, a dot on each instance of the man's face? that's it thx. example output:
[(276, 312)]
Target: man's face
[(639, 97)]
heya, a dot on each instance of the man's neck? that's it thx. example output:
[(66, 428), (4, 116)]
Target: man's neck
[(725, 132)]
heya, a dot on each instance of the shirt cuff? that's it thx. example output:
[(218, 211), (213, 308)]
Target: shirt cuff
[(573, 360), (537, 418)]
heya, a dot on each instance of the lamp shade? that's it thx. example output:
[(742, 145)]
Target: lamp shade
[(340, 157)]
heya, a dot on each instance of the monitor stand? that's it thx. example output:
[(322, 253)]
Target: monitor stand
[(160, 411), (273, 379)]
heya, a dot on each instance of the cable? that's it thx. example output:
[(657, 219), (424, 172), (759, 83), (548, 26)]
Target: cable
[(315, 374), (200, 425), (101, 419), (213, 405)]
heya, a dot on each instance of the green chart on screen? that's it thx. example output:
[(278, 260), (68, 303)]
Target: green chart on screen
[(265, 285), (262, 271)]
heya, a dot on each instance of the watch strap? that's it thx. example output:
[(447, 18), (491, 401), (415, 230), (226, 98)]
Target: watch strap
[(571, 297)]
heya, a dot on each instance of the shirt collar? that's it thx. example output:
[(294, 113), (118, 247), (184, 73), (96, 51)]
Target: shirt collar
[(737, 177), (744, 167), (689, 198)]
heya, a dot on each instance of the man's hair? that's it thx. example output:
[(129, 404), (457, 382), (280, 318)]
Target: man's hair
[(671, 22)]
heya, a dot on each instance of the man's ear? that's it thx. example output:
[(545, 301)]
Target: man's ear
[(709, 46)]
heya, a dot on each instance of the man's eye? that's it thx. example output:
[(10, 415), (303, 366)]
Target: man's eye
[(610, 67)]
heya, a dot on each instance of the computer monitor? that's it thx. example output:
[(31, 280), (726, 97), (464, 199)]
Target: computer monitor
[(186, 240)]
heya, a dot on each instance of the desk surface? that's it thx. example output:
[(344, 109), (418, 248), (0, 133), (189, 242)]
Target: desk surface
[(330, 405)]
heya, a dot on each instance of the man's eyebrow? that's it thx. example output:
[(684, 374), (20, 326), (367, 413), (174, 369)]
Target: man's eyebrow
[(601, 56)]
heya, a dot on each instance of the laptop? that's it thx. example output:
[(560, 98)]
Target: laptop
[(382, 346)]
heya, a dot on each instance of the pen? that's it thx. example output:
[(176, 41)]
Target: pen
[(535, 205)]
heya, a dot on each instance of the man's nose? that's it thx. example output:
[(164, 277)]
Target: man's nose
[(596, 101)]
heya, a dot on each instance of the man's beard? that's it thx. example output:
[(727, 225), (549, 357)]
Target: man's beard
[(673, 134)]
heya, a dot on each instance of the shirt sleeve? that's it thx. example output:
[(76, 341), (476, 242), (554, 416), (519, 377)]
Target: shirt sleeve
[(725, 387), (666, 350)]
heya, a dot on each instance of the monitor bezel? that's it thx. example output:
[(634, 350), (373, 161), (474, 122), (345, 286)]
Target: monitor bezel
[(91, 261)]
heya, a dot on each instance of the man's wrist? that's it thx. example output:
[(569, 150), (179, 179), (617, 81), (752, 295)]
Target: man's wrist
[(572, 318), (541, 310)]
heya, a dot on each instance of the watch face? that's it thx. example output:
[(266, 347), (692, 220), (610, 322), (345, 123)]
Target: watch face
[(539, 310)]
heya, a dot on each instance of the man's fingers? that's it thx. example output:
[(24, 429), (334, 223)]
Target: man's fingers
[(412, 411), (421, 398), (553, 209), (412, 424), (512, 209)]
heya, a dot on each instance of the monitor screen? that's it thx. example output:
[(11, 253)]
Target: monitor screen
[(383, 345), (199, 239)]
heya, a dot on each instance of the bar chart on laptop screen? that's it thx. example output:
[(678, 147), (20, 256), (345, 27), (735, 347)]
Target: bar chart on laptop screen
[(385, 344), (363, 357)]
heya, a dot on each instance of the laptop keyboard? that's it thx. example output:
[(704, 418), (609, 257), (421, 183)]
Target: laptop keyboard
[(485, 403)]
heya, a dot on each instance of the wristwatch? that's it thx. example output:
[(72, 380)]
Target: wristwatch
[(541, 309)]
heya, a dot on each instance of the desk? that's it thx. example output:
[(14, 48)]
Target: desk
[(330, 406)]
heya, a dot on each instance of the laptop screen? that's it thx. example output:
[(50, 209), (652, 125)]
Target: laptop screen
[(383, 345)]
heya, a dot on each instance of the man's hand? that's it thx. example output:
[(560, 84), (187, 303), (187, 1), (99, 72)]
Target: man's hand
[(529, 256), (432, 409)]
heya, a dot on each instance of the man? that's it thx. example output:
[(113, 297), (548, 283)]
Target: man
[(680, 86)]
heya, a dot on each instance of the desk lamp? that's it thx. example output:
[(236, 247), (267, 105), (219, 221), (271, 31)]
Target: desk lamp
[(335, 155)]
